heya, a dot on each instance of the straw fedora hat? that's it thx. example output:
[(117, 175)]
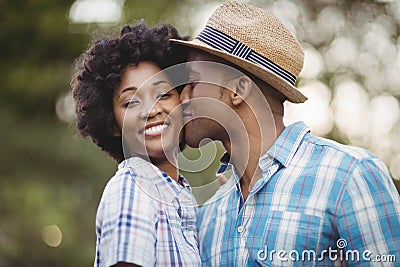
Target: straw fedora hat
[(256, 41)]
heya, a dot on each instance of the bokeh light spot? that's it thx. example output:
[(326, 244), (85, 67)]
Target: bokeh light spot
[(96, 11), (350, 105), (342, 53), (395, 167), (52, 236), (384, 114), (313, 63), (315, 112), (65, 108)]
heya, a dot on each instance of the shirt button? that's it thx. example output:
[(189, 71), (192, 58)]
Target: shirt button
[(240, 229)]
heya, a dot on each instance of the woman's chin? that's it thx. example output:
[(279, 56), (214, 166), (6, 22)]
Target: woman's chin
[(163, 153)]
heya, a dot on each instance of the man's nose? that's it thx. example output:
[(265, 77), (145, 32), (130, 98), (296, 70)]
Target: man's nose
[(185, 94)]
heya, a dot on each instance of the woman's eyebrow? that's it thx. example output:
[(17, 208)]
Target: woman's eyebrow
[(133, 88), (130, 88)]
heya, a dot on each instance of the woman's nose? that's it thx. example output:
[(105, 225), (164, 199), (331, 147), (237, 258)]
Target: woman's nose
[(151, 112)]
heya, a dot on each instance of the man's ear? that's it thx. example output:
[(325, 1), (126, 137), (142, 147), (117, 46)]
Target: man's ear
[(243, 86)]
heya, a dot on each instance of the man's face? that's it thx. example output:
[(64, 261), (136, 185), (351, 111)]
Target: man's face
[(204, 99)]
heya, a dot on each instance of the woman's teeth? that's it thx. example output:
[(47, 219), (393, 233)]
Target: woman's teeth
[(155, 129)]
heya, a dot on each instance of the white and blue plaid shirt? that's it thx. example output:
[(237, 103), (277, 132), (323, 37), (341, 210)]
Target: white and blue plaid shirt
[(146, 218), (317, 200)]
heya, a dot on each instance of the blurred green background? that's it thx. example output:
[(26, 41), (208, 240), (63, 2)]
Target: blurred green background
[(52, 180)]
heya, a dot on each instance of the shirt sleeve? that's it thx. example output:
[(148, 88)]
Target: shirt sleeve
[(369, 216), (126, 223)]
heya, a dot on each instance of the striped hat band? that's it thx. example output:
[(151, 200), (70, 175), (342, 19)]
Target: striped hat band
[(221, 41)]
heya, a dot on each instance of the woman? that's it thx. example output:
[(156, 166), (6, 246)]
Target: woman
[(127, 105)]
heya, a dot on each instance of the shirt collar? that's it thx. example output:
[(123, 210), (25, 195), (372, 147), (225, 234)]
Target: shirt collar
[(283, 149), (167, 188), (280, 154), (286, 146)]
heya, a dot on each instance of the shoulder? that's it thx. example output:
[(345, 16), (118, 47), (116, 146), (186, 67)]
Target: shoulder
[(126, 219), (126, 190), (127, 181), (117, 184), (296, 147), (343, 164), (356, 166), (344, 159), (351, 152)]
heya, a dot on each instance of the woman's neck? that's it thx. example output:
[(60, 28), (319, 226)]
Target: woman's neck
[(169, 166)]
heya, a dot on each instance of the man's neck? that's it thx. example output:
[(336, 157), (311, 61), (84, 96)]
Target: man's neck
[(246, 153)]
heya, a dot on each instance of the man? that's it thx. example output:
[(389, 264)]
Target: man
[(294, 199)]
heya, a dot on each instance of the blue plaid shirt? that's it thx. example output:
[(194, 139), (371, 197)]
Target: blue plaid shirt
[(146, 218), (319, 203)]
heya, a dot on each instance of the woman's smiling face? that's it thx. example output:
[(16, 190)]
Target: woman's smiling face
[(147, 112)]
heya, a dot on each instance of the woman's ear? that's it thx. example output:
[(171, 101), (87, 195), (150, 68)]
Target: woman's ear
[(116, 131), (243, 86)]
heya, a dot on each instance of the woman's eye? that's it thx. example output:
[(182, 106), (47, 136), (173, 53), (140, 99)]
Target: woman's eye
[(130, 103)]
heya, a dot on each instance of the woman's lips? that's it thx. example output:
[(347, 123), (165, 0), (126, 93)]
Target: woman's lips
[(155, 130)]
